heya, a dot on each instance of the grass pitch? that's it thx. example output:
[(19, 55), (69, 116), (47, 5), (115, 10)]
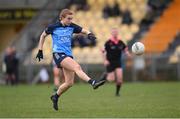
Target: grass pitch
[(158, 99)]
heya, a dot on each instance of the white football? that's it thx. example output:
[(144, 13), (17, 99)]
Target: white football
[(138, 48)]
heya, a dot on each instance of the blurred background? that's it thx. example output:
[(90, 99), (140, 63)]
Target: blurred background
[(156, 23)]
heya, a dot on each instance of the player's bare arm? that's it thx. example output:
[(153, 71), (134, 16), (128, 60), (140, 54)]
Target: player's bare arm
[(85, 31), (42, 39), (39, 56), (127, 53), (106, 62)]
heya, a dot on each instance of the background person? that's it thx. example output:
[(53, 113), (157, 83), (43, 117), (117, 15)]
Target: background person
[(112, 54)]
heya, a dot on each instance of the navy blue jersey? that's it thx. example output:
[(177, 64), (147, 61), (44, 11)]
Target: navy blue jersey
[(62, 36), (114, 51)]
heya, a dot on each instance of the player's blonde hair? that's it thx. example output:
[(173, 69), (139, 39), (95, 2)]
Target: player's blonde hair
[(64, 13)]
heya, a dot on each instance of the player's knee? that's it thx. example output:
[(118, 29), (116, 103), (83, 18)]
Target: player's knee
[(77, 68), (110, 79), (119, 82), (56, 82), (56, 72), (70, 83)]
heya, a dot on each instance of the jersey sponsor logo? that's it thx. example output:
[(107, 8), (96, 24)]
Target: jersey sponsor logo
[(113, 47), (64, 39), (63, 35)]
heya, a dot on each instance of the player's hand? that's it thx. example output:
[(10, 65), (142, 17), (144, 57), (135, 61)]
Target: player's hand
[(106, 62), (39, 55), (129, 55), (91, 36)]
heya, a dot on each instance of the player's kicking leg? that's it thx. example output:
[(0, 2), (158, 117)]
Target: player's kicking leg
[(72, 65)]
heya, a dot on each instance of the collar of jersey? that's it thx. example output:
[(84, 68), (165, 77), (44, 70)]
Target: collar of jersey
[(115, 41), (62, 24)]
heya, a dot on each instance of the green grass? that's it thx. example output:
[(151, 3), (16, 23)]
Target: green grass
[(159, 99)]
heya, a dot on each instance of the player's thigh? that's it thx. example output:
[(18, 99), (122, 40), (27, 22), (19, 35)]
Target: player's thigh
[(68, 76), (119, 74), (110, 76), (70, 64)]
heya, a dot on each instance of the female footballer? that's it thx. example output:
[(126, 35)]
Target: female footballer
[(62, 32)]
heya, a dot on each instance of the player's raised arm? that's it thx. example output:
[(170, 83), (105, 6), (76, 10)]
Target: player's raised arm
[(40, 46), (41, 41)]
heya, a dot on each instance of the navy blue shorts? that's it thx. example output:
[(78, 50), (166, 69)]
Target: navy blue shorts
[(59, 57), (112, 66)]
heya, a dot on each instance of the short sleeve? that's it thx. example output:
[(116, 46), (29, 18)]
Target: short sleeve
[(77, 28), (49, 29)]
